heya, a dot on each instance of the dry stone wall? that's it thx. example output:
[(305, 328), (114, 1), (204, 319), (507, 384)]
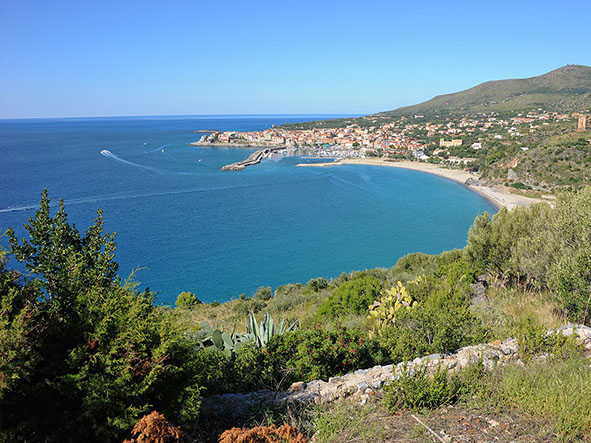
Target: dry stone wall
[(365, 383)]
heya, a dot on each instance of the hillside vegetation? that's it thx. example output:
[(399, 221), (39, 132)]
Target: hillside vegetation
[(555, 162), (83, 357), (566, 89)]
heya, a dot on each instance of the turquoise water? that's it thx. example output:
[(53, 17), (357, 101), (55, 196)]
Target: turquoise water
[(188, 226)]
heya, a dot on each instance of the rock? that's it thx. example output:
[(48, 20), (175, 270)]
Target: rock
[(362, 386), (364, 383), (478, 293), (377, 384), (297, 386), (492, 423)]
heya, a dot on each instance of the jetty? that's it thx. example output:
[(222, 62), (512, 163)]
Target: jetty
[(252, 159)]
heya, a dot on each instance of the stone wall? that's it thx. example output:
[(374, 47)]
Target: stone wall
[(365, 383)]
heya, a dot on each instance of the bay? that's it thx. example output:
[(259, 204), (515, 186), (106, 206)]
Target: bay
[(184, 225)]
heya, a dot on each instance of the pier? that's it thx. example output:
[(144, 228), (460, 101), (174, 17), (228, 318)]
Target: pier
[(252, 159)]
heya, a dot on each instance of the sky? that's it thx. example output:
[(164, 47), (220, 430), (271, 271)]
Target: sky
[(113, 58)]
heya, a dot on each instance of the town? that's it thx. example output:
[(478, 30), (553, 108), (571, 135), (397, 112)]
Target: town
[(448, 139)]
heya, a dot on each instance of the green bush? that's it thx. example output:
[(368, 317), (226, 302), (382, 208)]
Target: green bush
[(534, 339), (317, 284), (352, 297), (98, 355), (187, 300), (549, 247), (219, 373), (558, 392), (417, 390), (411, 266), (492, 241), (441, 322), (263, 293), (311, 354)]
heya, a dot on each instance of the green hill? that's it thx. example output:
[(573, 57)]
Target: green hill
[(567, 89)]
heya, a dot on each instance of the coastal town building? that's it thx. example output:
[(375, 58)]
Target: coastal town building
[(450, 144), (414, 137)]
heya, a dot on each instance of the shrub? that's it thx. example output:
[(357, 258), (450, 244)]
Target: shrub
[(263, 434), (306, 355), (263, 293), (351, 297), (154, 427), (558, 391), (317, 284), (413, 265), (187, 300), (102, 355), (551, 247), (534, 339), (441, 322), (417, 390)]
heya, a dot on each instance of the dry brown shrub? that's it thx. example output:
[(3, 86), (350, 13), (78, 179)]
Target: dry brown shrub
[(263, 434), (154, 428)]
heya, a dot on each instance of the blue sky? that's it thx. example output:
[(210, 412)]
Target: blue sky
[(81, 58)]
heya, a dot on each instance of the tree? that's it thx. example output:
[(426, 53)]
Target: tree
[(352, 297), (101, 354), (187, 300), (263, 293)]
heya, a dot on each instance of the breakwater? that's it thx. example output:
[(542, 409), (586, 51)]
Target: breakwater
[(252, 159)]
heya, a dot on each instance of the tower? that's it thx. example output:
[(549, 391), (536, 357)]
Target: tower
[(582, 122)]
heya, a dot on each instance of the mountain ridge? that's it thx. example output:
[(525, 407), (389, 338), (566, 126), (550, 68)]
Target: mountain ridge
[(567, 88)]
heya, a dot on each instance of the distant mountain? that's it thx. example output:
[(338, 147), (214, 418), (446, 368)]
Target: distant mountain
[(566, 89)]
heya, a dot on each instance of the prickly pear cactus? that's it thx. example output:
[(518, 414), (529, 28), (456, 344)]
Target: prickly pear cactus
[(384, 311)]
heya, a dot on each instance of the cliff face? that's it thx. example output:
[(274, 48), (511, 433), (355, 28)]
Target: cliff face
[(567, 88)]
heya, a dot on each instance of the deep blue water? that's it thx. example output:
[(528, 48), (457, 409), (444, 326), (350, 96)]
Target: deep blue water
[(190, 226)]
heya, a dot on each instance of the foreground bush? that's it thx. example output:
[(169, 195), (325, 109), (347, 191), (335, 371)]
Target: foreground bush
[(547, 247), (559, 392), (84, 357), (263, 434), (441, 321), (352, 297), (417, 390), (306, 355), (155, 428)]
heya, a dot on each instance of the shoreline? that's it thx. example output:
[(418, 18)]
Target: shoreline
[(497, 196)]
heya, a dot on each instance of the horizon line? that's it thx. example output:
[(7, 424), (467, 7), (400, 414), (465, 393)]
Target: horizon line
[(186, 115)]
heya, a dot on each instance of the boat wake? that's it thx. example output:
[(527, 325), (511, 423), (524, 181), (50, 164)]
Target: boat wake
[(106, 198), (109, 154)]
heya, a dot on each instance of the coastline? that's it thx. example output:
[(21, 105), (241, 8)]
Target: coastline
[(497, 196)]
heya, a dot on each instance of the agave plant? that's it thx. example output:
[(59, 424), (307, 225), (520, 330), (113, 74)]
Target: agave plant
[(213, 338), (209, 337), (263, 332)]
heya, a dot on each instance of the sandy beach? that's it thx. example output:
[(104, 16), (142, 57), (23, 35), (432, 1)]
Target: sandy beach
[(498, 196)]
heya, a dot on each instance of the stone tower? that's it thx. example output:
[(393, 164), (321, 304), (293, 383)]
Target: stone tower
[(582, 122)]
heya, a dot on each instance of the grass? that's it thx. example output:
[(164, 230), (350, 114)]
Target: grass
[(294, 304), (556, 391), (347, 421), (508, 309)]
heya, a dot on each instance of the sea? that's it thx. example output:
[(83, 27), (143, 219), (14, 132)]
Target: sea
[(183, 224)]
